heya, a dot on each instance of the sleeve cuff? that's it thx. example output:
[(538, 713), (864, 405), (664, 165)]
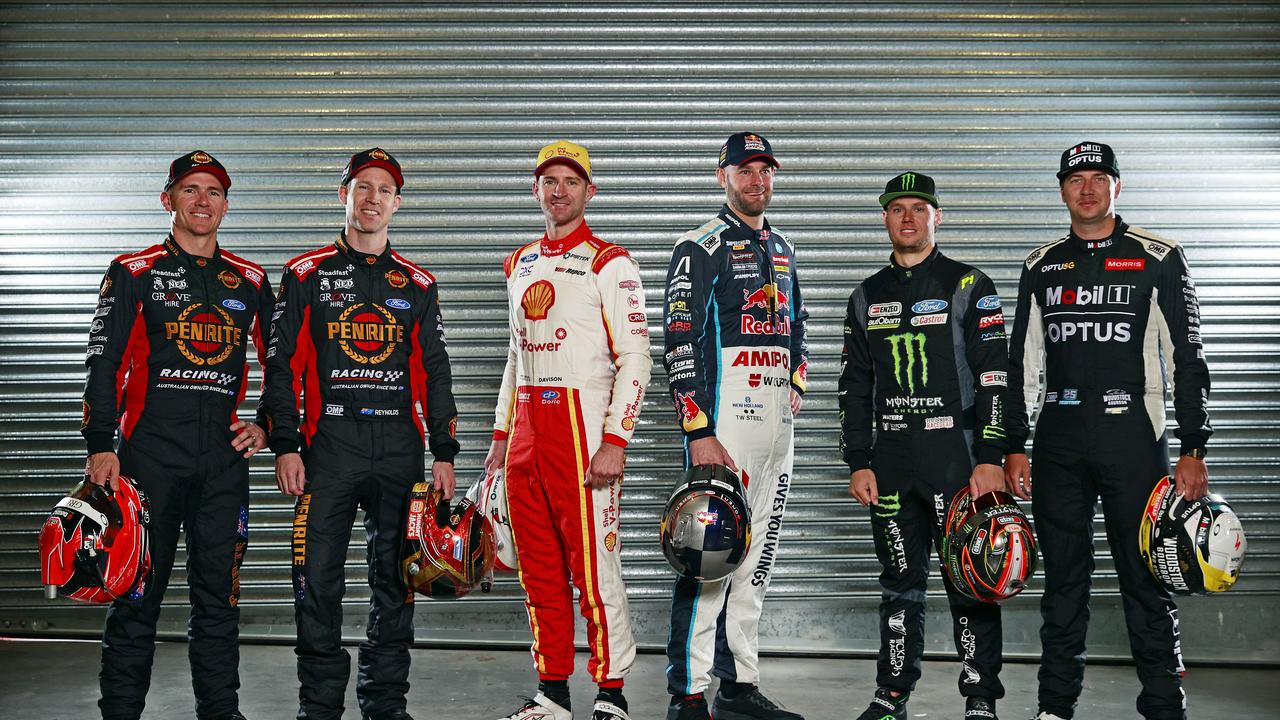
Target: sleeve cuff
[(615, 440), (100, 442), (499, 434), (858, 460), (989, 455), (283, 446), (699, 434)]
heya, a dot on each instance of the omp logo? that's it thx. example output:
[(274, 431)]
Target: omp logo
[(205, 334), (367, 333), (905, 347)]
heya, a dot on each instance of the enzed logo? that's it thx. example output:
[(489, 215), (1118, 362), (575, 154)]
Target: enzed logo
[(905, 347)]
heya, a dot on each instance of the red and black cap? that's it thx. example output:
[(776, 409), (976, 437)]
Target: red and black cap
[(373, 157), (194, 162), (744, 147), (1088, 156)]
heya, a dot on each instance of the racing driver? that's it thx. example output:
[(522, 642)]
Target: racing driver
[(357, 379), (1104, 311), (576, 371), (736, 361), (921, 384), (166, 368)]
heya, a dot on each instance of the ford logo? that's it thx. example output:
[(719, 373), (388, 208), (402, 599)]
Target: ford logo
[(929, 306), (529, 258), (233, 304), (398, 304), (990, 302)]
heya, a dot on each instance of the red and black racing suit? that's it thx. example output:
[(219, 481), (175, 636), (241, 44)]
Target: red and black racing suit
[(921, 384), (359, 340), (1104, 319), (166, 366)]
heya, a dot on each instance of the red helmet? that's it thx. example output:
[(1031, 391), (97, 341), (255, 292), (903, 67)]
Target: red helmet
[(447, 551), (95, 547), (988, 548), (490, 493)]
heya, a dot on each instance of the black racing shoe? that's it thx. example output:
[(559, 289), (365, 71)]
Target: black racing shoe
[(689, 707), (884, 706), (750, 705), (977, 708), (393, 715), (233, 715)]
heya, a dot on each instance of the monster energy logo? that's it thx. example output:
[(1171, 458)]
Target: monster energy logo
[(887, 506), (904, 347), (908, 181)]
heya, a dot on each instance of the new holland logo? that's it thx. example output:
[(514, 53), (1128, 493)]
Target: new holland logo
[(205, 334), (905, 348), (367, 333), (538, 299)]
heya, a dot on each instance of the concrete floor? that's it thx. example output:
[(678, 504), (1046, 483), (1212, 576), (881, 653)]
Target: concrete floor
[(57, 679)]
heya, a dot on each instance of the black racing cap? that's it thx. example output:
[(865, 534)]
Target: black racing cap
[(194, 162), (910, 184), (373, 157), (1088, 156), (744, 147)]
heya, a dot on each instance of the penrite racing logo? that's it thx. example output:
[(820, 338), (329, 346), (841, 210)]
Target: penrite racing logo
[(204, 334), (368, 333), (905, 347)]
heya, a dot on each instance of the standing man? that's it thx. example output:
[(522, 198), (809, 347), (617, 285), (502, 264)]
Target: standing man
[(736, 361), (921, 379), (576, 371), (358, 347), (1103, 312), (166, 368)]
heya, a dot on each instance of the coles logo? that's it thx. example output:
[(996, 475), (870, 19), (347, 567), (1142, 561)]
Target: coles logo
[(230, 279), (538, 299), (396, 279), (204, 334), (367, 332), (1126, 264)]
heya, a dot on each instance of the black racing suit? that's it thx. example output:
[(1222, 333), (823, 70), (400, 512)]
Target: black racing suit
[(1103, 319), (921, 385), (166, 366), (359, 340)]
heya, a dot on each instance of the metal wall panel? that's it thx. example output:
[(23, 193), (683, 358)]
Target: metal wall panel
[(96, 98)]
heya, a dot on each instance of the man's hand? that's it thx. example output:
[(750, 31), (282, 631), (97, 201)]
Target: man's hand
[(986, 478), (862, 486), (291, 474), (249, 438), (497, 457), (442, 478), (1191, 477), (709, 451), (1017, 475), (103, 468), (606, 466), (797, 401)]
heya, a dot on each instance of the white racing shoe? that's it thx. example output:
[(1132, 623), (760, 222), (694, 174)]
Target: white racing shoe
[(540, 707)]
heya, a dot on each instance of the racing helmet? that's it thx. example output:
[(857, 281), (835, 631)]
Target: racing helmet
[(988, 549), (447, 550), (706, 528), (1194, 546), (95, 547), (489, 493)]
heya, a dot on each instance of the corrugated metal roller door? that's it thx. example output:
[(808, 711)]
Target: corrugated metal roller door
[(95, 99)]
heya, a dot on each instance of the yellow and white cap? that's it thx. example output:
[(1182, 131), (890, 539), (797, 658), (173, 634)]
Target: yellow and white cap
[(565, 153)]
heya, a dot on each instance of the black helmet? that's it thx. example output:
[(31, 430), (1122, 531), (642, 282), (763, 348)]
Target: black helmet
[(95, 547), (1192, 546), (447, 550), (706, 528), (988, 549)]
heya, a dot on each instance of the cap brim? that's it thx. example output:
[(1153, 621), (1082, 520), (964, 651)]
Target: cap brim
[(758, 156), (395, 171), (886, 198), (570, 162), (1062, 174)]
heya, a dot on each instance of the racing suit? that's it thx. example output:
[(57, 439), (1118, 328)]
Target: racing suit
[(1103, 319), (735, 348), (166, 366), (359, 339), (576, 371), (921, 384)]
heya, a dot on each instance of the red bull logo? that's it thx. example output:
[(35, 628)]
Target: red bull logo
[(767, 297), (691, 416)]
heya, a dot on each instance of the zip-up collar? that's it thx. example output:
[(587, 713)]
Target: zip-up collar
[(1080, 245), (554, 248), (362, 259), (740, 228), (904, 274), (173, 248)]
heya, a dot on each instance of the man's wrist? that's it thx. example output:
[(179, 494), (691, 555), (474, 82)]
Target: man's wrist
[(1198, 453)]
